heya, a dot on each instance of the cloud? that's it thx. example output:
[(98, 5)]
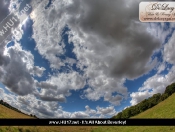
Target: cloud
[(158, 82), (57, 87), (4, 4), (47, 30), (161, 67), (31, 105), (50, 97), (44, 109), (22, 100), (79, 115), (38, 71), (106, 111), (137, 97), (100, 112), (110, 43), (106, 41), (169, 48), (14, 70), (90, 111), (153, 85), (1, 92), (104, 49), (9, 98)]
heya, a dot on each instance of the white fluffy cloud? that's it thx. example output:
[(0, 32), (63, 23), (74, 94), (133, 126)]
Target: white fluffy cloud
[(139, 96), (58, 87), (43, 109), (79, 114), (108, 110), (153, 85), (37, 71), (47, 33)]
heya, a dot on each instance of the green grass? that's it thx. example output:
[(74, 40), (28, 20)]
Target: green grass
[(165, 109)]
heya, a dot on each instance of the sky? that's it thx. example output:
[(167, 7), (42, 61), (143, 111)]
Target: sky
[(84, 58)]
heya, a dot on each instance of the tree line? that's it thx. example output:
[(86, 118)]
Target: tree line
[(13, 108), (146, 104)]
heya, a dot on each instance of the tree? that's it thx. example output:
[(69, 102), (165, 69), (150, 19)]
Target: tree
[(118, 116), (126, 113), (163, 96), (143, 105), (170, 89), (154, 100), (134, 110), (1, 101)]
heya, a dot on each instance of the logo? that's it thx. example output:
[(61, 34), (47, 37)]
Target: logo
[(157, 11)]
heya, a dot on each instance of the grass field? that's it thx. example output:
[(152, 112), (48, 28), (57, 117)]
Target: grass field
[(8, 113), (165, 109)]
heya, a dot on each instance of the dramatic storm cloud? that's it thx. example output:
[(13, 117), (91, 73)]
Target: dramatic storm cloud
[(77, 58), (108, 40), (119, 43)]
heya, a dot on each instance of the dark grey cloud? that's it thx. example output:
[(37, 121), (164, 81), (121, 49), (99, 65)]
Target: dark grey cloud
[(115, 25), (46, 85), (23, 101), (4, 4), (46, 113), (53, 98), (14, 73)]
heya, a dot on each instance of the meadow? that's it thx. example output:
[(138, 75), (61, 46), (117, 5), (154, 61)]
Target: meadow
[(165, 109)]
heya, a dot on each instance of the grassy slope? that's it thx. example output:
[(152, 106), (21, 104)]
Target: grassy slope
[(165, 109), (8, 113)]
